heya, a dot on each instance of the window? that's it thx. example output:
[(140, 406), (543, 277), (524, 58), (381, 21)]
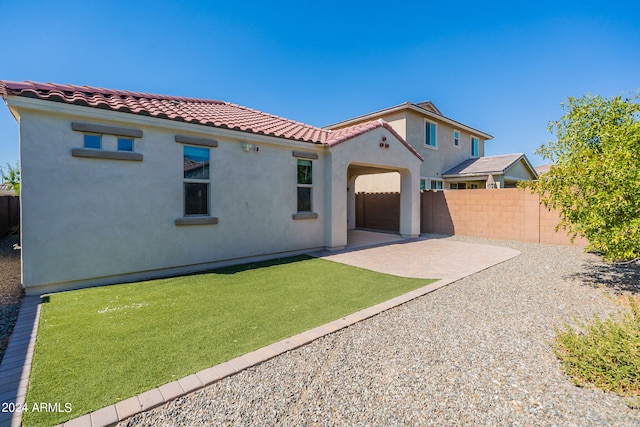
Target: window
[(437, 184), (125, 144), (196, 181), (305, 182), (474, 186), (423, 184), (474, 146), (456, 138), (106, 142), (430, 133), (458, 186), (92, 141)]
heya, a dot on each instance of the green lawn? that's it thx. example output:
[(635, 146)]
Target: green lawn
[(101, 345)]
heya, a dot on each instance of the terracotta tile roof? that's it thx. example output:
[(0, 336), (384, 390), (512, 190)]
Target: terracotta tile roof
[(191, 110), (484, 165)]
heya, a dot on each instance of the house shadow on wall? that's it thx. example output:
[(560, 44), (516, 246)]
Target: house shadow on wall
[(435, 214)]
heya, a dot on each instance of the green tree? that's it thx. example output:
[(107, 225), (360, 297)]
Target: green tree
[(12, 177), (594, 182)]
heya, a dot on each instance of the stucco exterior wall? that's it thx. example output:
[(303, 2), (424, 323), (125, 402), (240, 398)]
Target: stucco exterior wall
[(388, 182), (518, 171), (445, 155), (92, 221), (364, 150)]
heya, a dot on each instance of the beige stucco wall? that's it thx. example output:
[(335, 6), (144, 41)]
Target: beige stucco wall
[(411, 126), (94, 221), (518, 171), (388, 182), (364, 151), (445, 155)]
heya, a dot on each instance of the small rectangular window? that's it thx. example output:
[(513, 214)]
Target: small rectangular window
[(436, 184), (93, 141), (196, 185), (423, 184), (430, 132), (456, 138), (125, 144), (305, 182), (196, 198), (474, 146), (196, 163)]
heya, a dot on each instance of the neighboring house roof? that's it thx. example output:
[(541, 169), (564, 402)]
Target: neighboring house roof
[(542, 169), (428, 105), (489, 165), (426, 108), (205, 112)]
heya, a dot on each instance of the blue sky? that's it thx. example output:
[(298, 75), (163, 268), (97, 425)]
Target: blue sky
[(503, 68)]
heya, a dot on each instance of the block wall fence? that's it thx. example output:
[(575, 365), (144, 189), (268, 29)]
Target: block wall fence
[(503, 214)]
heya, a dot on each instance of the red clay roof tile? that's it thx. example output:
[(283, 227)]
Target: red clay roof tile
[(192, 110)]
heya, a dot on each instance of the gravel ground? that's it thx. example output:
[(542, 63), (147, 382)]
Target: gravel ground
[(473, 353), (10, 289)]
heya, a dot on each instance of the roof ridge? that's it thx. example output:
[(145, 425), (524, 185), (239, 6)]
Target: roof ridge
[(49, 86)]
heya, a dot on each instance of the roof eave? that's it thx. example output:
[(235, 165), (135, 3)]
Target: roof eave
[(408, 106)]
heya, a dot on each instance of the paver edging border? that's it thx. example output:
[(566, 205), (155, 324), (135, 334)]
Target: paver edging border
[(120, 411), (16, 363), (168, 392)]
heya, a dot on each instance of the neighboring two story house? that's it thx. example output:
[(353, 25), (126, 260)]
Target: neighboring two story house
[(453, 152)]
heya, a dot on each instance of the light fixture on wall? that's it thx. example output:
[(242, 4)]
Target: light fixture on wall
[(248, 147)]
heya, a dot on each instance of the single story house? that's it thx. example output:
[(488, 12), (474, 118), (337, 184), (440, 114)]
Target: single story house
[(121, 186)]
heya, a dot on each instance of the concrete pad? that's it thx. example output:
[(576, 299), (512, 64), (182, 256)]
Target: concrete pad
[(424, 258)]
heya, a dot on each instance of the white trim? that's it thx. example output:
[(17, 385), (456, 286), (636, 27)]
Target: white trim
[(410, 106), (424, 142), (436, 180), (471, 138)]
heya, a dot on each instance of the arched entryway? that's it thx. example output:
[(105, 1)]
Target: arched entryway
[(377, 199), (377, 150)]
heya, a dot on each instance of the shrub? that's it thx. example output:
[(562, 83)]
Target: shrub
[(604, 353)]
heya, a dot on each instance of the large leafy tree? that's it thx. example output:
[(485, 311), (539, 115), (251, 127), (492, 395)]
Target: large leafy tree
[(11, 176), (594, 181)]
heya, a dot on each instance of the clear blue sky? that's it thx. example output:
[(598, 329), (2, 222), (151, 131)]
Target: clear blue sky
[(502, 68)]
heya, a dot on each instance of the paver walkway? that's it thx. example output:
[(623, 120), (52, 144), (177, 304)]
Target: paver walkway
[(386, 253), (424, 257)]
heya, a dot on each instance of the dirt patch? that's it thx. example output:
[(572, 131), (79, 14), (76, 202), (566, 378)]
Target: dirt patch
[(11, 292)]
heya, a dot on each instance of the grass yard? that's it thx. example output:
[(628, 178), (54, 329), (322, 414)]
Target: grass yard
[(101, 345)]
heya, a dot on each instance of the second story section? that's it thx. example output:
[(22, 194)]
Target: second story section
[(441, 141)]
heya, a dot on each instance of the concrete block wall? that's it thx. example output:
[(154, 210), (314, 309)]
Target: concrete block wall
[(506, 214), (379, 211)]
